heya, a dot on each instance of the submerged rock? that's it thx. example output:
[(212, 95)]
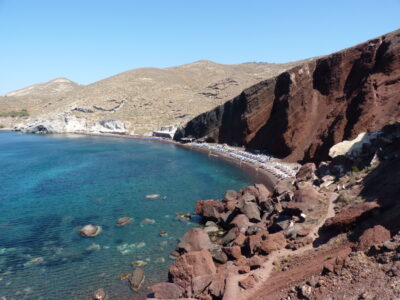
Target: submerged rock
[(123, 276), (148, 221), (90, 230), (100, 294), (123, 221), (93, 247), (136, 280), (160, 260), (152, 196), (139, 263)]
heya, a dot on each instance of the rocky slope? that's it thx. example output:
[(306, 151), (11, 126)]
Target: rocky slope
[(140, 100), (302, 112), (330, 233)]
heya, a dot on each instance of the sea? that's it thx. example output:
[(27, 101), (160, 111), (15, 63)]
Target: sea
[(52, 185)]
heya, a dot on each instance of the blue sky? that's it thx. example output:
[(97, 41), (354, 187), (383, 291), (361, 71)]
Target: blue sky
[(88, 40)]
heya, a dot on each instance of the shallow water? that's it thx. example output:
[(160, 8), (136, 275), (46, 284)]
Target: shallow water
[(52, 185)]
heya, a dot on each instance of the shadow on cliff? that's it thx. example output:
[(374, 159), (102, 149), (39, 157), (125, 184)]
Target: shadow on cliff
[(271, 136)]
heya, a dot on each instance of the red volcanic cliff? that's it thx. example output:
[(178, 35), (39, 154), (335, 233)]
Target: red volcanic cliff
[(301, 113)]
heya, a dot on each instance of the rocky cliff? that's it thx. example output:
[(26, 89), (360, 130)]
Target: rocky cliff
[(301, 113)]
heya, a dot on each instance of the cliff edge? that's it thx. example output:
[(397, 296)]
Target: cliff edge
[(301, 113)]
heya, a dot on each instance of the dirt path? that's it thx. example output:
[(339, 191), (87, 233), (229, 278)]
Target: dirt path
[(233, 291)]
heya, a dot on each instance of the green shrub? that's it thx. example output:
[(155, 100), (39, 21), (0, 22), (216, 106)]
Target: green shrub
[(1, 126), (13, 114)]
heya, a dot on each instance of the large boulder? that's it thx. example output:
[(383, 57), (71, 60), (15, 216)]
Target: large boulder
[(230, 236), (252, 211), (306, 172), (233, 252), (190, 265), (195, 239), (349, 215), (167, 290), (263, 193), (209, 209), (283, 186), (373, 236), (230, 195), (242, 222), (265, 243), (305, 198)]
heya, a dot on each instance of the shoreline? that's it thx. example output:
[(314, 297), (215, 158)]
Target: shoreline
[(264, 177)]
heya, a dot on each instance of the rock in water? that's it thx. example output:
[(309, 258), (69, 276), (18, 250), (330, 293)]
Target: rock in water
[(139, 263), (123, 221), (90, 230), (136, 280), (100, 294), (148, 221), (152, 196)]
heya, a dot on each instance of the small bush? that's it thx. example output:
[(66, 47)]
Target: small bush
[(1, 126), (13, 114)]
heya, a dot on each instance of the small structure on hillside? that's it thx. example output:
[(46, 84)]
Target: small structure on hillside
[(166, 132)]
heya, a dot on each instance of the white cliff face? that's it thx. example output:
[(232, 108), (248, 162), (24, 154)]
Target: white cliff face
[(353, 147), (66, 123)]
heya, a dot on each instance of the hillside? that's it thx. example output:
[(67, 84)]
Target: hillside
[(301, 113), (137, 101)]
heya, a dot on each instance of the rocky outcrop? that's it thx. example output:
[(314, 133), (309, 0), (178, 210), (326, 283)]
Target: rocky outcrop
[(66, 123), (302, 113)]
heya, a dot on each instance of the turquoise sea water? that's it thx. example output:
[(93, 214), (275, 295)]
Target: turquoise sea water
[(52, 185)]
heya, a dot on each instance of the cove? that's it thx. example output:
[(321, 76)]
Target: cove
[(52, 185)]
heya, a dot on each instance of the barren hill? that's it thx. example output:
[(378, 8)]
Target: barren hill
[(137, 101), (34, 96), (303, 112)]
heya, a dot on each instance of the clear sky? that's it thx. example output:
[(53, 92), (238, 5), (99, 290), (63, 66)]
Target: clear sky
[(88, 40)]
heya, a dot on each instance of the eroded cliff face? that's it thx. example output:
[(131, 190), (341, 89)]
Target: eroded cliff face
[(301, 113)]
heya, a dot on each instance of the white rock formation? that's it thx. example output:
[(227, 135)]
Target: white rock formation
[(353, 147), (66, 123)]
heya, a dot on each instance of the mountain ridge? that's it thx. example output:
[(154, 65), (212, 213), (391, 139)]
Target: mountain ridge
[(151, 97)]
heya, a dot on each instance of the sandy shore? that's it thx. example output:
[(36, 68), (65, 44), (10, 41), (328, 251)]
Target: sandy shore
[(262, 175)]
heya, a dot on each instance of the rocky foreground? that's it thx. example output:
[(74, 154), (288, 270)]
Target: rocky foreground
[(329, 233)]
